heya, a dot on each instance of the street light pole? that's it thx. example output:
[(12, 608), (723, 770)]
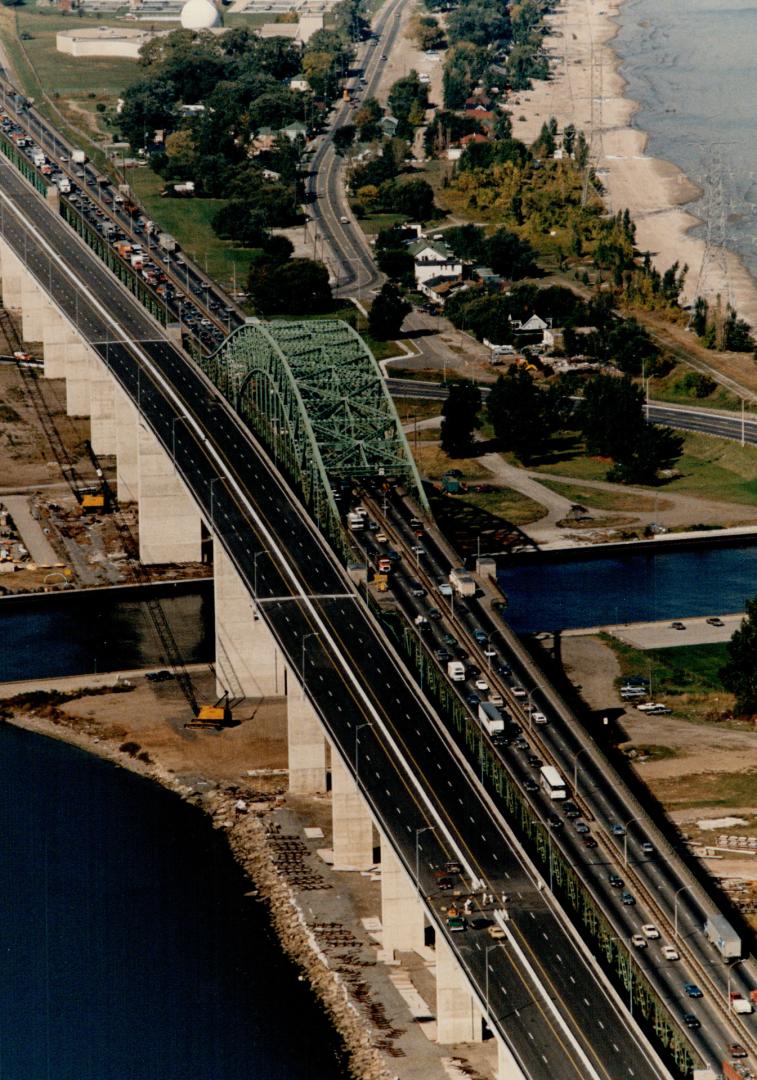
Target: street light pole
[(358, 729), (531, 705), (422, 829), (255, 558), (302, 661), (212, 496), (625, 839), (583, 750), (675, 908)]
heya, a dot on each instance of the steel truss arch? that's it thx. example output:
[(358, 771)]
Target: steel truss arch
[(315, 396)]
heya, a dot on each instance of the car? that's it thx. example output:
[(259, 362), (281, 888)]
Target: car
[(521, 744), (496, 699), (618, 830), (416, 589), (570, 809), (480, 635), (639, 941), (472, 672), (649, 930), (518, 691), (647, 847), (444, 588), (472, 699), (614, 880), (456, 923), (539, 718), (482, 685), (691, 1021), (381, 538), (692, 990), (159, 676), (534, 761), (669, 953), (344, 220), (495, 932), (383, 56), (449, 639), (628, 899), (736, 1050), (499, 738), (554, 821), (582, 828), (715, 621), (393, 555), (434, 614), (677, 626), (460, 653), (445, 883), (503, 669), (490, 651), (590, 842), (515, 728), (452, 866), (443, 655), (530, 785)]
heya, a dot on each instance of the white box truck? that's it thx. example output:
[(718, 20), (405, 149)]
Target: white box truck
[(721, 934), (456, 670), (78, 157), (462, 582), (490, 717)]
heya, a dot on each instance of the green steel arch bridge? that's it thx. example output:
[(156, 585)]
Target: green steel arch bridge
[(314, 395)]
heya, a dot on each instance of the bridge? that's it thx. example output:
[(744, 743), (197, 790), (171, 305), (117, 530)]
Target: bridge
[(246, 446)]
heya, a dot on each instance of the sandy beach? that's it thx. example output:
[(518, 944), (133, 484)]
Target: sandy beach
[(586, 89)]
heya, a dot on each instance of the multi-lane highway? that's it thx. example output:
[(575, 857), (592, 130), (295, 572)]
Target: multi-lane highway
[(545, 998)]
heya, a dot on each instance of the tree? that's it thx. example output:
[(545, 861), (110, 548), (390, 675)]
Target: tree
[(508, 255), (460, 412), (415, 198), (387, 312), (148, 104), (344, 137), (739, 674), (296, 287), (523, 416)]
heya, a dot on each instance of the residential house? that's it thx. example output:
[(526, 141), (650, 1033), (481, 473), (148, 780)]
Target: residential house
[(534, 331), (294, 131), (433, 259)]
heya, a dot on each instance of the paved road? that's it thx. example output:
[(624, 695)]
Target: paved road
[(411, 774)]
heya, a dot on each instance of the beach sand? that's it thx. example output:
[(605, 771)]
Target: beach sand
[(586, 89)]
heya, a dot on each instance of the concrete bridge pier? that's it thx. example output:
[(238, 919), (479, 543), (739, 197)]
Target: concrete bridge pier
[(306, 744), (12, 271), (102, 403), (170, 526), (352, 825), (507, 1067), (458, 1015), (402, 914), (126, 424)]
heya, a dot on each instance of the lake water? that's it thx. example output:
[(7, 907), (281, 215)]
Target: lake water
[(566, 592), (690, 64), (128, 949)]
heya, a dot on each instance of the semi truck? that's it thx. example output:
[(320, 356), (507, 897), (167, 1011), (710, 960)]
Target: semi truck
[(721, 934), (462, 582), (490, 717), (78, 157), (456, 670), (167, 242), (739, 1003)]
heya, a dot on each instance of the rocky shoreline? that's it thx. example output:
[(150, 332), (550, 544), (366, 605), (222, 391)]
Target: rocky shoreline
[(243, 820)]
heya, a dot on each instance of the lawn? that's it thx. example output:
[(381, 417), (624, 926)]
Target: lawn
[(684, 669), (507, 504), (189, 221), (373, 223), (596, 499), (708, 789), (666, 390)]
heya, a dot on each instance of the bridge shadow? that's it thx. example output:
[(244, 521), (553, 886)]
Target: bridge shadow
[(471, 529)]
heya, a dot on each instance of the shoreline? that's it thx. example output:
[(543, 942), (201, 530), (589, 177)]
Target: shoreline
[(247, 835), (586, 89)]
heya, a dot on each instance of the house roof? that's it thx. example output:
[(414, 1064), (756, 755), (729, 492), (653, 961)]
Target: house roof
[(476, 137), (439, 249)]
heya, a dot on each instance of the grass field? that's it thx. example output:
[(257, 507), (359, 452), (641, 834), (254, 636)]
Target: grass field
[(683, 669), (666, 390), (507, 504), (708, 789), (605, 500)]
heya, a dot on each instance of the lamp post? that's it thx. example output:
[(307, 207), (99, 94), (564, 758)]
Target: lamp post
[(625, 840), (358, 729), (422, 829), (176, 420), (583, 750), (531, 704), (487, 950), (255, 558), (302, 661), (675, 908), (212, 497), (730, 969)]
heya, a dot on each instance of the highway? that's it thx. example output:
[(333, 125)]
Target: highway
[(544, 996), (707, 421), (663, 890)]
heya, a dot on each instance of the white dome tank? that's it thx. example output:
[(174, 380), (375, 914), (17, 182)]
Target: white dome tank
[(199, 15)]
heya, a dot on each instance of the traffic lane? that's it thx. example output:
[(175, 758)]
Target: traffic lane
[(721, 426)]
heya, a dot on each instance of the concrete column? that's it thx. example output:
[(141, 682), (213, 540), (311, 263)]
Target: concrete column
[(306, 744), (12, 271), (507, 1067), (67, 355), (458, 1017), (170, 527), (351, 820), (126, 420), (102, 402), (402, 914), (35, 307), (248, 661)]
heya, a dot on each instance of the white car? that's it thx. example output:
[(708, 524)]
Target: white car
[(518, 692), (496, 699), (490, 651), (669, 953), (639, 941), (539, 718), (382, 538), (344, 220), (649, 930), (482, 685)]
